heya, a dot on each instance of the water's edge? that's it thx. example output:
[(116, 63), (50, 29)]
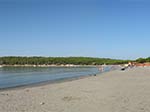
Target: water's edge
[(46, 83), (51, 82)]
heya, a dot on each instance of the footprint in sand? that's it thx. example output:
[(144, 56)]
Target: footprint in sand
[(70, 98)]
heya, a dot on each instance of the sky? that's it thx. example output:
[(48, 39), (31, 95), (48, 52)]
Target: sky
[(118, 29)]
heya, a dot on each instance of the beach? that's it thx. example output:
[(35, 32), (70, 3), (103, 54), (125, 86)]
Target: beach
[(115, 91)]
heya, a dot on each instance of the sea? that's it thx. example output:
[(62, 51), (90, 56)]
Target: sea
[(22, 76)]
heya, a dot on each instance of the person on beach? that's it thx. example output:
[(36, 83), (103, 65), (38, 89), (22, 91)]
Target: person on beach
[(101, 69)]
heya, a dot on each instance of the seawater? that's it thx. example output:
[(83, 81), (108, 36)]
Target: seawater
[(20, 76)]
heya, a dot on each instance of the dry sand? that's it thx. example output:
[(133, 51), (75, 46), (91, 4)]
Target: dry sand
[(116, 91)]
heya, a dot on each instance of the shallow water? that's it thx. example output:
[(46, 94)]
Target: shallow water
[(19, 76)]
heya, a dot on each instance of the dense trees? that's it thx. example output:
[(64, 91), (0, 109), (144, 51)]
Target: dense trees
[(64, 60), (143, 60), (58, 61)]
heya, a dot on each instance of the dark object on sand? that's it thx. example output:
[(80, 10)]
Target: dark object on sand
[(123, 69), (94, 74)]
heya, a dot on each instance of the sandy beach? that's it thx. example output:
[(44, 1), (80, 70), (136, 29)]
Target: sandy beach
[(116, 91)]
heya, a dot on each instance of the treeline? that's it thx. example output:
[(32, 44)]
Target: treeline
[(143, 60), (58, 61)]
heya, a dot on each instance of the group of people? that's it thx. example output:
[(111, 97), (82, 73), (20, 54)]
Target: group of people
[(129, 65)]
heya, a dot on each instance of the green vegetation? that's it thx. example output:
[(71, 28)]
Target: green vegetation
[(58, 61), (143, 60), (12, 60)]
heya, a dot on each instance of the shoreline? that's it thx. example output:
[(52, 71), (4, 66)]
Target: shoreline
[(115, 91), (50, 82), (46, 83), (62, 80), (68, 65)]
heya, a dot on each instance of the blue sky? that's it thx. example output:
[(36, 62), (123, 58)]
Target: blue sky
[(96, 28)]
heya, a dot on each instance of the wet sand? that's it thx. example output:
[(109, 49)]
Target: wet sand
[(115, 91)]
